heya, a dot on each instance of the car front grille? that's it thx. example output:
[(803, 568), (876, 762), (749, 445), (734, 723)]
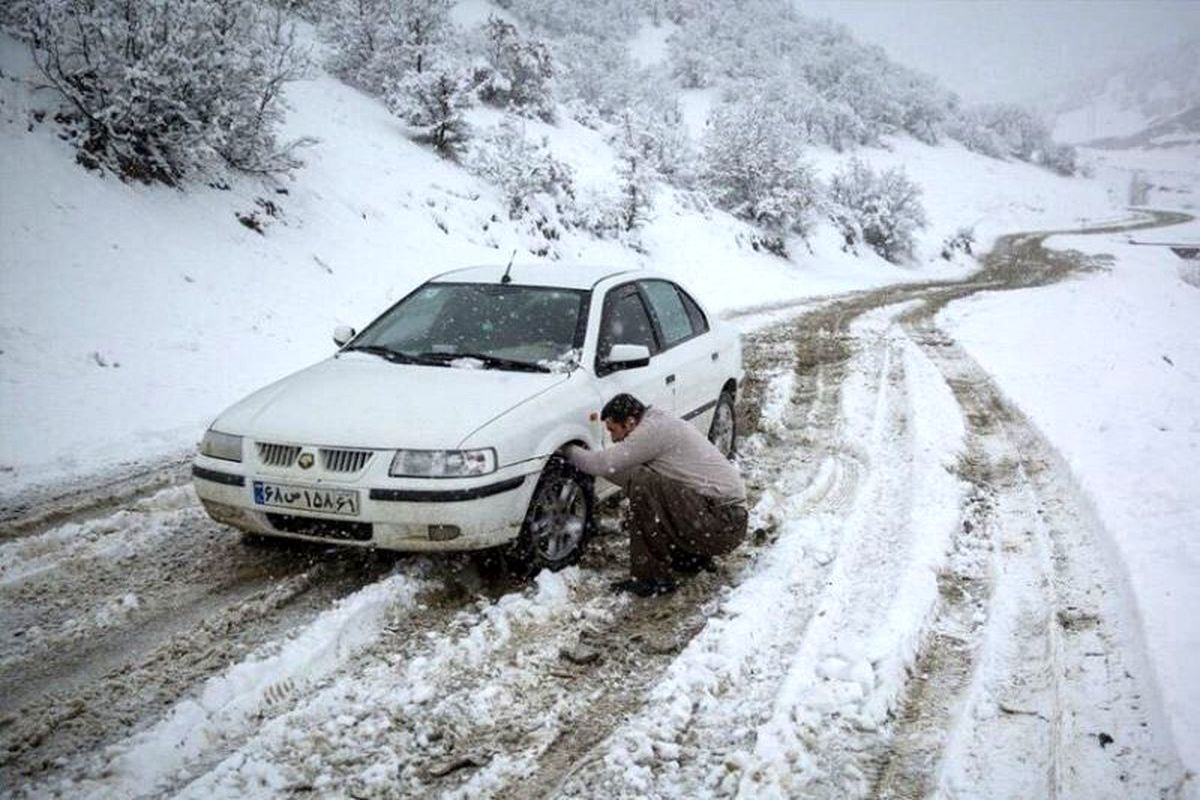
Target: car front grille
[(344, 460), (277, 455), (323, 528)]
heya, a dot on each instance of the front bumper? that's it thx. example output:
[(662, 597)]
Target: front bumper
[(415, 515)]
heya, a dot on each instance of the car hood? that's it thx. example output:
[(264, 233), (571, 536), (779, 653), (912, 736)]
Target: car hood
[(360, 400)]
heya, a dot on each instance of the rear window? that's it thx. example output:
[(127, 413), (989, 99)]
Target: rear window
[(668, 307), (699, 323)]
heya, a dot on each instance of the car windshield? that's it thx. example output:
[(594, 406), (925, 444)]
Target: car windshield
[(495, 326)]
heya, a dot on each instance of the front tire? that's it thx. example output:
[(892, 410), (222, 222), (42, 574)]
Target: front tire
[(722, 432), (558, 522)]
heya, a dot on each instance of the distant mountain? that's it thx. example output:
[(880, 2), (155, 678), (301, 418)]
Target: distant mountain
[(1131, 98), (1175, 130)]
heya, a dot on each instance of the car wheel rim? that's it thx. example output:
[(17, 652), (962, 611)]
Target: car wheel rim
[(722, 428), (560, 514)]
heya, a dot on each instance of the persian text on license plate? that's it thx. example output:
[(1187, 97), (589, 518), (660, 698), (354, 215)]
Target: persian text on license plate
[(326, 501)]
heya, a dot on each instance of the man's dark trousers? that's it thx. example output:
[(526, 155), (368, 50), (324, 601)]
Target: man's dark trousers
[(668, 519)]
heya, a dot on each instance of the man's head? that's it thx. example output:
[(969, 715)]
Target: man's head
[(621, 415)]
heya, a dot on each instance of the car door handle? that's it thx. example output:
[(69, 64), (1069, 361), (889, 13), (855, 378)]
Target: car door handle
[(670, 379), (716, 356)]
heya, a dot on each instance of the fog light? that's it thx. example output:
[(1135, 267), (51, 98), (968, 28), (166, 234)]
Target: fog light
[(444, 533)]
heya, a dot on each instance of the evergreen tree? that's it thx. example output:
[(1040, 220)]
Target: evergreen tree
[(432, 104), (635, 151), (519, 72), (376, 43), (357, 33)]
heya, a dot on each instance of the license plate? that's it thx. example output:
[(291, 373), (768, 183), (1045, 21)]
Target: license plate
[(326, 501)]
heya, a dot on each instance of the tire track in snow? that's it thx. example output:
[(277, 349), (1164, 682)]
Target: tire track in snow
[(1032, 629), (423, 708), (767, 606), (231, 704), (1054, 666), (789, 401), (703, 718), (850, 664), (117, 618)]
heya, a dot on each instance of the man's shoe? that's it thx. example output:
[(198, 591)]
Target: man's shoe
[(644, 587), (691, 564)]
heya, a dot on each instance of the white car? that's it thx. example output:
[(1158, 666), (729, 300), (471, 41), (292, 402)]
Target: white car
[(437, 427)]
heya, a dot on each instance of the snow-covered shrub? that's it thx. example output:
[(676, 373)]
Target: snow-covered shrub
[(636, 148), (669, 146), (753, 168), (925, 108), (163, 90), (356, 31), (854, 94), (599, 213), (376, 44), (1003, 129), (612, 20), (402, 51), (1062, 158), (517, 73), (310, 10), (1022, 133), (970, 127), (962, 241), (883, 210), (432, 103), (526, 172), (596, 79)]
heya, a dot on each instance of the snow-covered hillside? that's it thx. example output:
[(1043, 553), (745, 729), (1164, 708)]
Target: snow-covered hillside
[(133, 314), (1130, 97)]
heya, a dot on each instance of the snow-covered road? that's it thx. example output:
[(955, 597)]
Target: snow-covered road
[(924, 608)]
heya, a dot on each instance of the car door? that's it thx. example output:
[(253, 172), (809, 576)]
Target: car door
[(687, 354), (625, 319)]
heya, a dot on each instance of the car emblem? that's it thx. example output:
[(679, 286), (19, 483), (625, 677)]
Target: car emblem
[(306, 460)]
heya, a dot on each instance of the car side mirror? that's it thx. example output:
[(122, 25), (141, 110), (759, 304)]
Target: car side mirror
[(343, 334), (627, 356)]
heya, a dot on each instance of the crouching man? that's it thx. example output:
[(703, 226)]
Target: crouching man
[(687, 503)]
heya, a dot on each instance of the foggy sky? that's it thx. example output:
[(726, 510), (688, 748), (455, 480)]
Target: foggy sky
[(1011, 50)]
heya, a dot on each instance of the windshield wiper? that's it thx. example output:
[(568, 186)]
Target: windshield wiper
[(395, 356), (489, 362)]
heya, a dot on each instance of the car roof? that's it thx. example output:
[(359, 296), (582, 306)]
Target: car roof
[(567, 276)]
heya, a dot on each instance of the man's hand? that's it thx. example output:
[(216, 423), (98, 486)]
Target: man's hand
[(572, 453)]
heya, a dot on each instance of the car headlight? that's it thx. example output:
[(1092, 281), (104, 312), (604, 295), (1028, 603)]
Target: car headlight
[(442, 463), (221, 445)]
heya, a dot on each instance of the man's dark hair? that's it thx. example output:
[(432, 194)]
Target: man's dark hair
[(623, 407)]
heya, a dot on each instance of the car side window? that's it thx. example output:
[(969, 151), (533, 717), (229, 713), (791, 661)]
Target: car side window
[(673, 320), (625, 321), (699, 323)]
